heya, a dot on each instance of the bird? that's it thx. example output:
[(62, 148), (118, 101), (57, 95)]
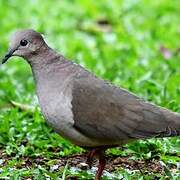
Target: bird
[(88, 111)]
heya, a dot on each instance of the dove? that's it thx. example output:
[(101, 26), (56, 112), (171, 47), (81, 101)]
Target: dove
[(88, 111)]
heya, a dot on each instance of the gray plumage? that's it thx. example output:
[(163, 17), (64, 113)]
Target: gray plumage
[(88, 111)]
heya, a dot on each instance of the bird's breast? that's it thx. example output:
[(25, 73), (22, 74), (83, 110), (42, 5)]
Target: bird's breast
[(55, 104)]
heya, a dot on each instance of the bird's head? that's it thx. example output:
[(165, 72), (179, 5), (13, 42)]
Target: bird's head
[(25, 43)]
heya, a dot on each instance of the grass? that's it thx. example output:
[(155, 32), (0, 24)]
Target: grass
[(134, 44)]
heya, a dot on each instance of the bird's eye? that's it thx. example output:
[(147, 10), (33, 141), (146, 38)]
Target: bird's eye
[(23, 42)]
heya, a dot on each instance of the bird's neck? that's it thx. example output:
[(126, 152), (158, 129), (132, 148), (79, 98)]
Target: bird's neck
[(44, 57), (49, 64)]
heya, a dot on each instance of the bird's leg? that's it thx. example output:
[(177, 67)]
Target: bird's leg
[(102, 161), (90, 156), (101, 165)]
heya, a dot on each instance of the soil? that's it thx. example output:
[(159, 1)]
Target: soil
[(113, 163)]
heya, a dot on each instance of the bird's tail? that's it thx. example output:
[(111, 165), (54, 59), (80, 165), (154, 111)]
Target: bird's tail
[(173, 120)]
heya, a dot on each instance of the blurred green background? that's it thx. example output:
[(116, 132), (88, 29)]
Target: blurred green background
[(133, 43)]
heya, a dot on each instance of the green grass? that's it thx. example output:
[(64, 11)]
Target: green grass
[(126, 50)]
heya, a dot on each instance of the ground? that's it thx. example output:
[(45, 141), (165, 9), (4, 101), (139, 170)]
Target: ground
[(133, 43)]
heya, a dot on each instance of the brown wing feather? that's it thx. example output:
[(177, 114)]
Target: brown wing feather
[(109, 113)]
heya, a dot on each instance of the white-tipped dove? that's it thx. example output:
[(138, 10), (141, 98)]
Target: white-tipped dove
[(88, 111)]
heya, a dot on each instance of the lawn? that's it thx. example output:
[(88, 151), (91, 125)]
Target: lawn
[(135, 44)]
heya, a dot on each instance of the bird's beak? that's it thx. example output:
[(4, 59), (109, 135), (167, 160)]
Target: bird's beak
[(8, 55)]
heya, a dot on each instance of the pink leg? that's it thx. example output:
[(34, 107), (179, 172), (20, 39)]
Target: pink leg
[(90, 157), (101, 166), (102, 161)]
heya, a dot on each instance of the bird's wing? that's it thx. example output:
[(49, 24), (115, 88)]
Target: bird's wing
[(109, 113)]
